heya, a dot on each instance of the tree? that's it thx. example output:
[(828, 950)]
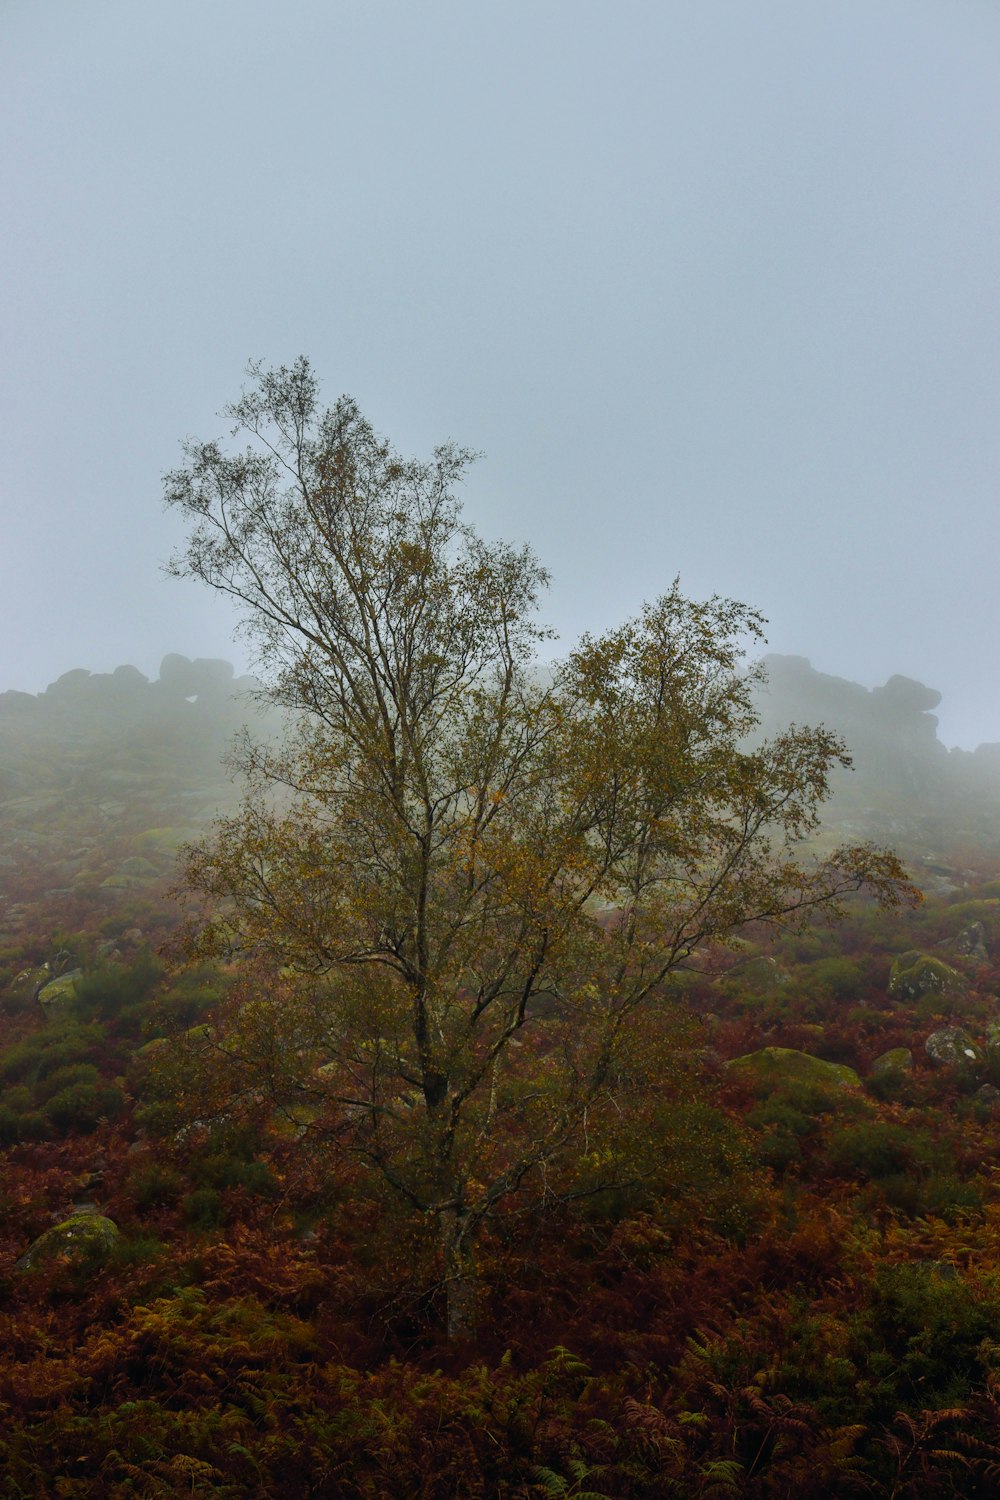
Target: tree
[(467, 874)]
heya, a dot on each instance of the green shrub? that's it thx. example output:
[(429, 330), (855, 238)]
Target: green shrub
[(779, 1149), (154, 1186), (35, 1126), (924, 1339), (781, 1113), (137, 1250), (872, 1150), (18, 1099), (115, 991), (841, 977), (82, 1106), (58, 1045), (893, 1086), (203, 1209), (65, 1078), (940, 1196)]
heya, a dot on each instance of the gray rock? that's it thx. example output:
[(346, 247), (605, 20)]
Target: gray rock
[(988, 1094), (951, 1047), (971, 943), (30, 982)]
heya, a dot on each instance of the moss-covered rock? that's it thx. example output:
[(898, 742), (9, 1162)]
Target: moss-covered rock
[(915, 974), (156, 1045), (58, 993), (777, 1065), (28, 984), (83, 1237), (896, 1060)]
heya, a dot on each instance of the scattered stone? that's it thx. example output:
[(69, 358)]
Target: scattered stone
[(896, 1060), (915, 974), (28, 984), (59, 993), (951, 1047), (87, 1236), (971, 943), (987, 1094), (777, 1065)]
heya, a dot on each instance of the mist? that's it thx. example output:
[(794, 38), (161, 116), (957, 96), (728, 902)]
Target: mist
[(712, 286)]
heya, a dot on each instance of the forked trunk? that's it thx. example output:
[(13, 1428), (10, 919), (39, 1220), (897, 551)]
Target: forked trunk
[(460, 1276)]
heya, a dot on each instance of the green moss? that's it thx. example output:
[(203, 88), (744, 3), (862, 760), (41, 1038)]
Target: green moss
[(914, 974), (85, 1238), (896, 1060), (59, 992), (774, 1066)]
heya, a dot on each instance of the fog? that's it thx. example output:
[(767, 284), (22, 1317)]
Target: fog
[(713, 286)]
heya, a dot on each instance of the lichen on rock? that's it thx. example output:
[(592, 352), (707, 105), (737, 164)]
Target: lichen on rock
[(82, 1237), (951, 1047), (914, 974)]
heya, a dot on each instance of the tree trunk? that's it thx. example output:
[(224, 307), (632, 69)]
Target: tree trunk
[(460, 1276)]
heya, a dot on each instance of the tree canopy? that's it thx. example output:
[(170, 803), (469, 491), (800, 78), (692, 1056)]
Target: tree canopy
[(468, 872)]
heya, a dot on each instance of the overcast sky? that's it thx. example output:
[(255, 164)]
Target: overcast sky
[(712, 283)]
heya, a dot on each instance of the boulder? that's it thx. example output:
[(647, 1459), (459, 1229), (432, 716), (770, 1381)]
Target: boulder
[(951, 1047), (30, 982), (59, 993), (971, 943), (896, 1060), (915, 974), (82, 1237), (777, 1065), (988, 1094)]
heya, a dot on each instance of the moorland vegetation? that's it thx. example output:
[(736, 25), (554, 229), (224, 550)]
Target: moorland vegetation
[(508, 1115)]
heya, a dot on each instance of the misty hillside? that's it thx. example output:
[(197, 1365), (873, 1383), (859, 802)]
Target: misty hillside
[(103, 775), (788, 1223), (905, 789)]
